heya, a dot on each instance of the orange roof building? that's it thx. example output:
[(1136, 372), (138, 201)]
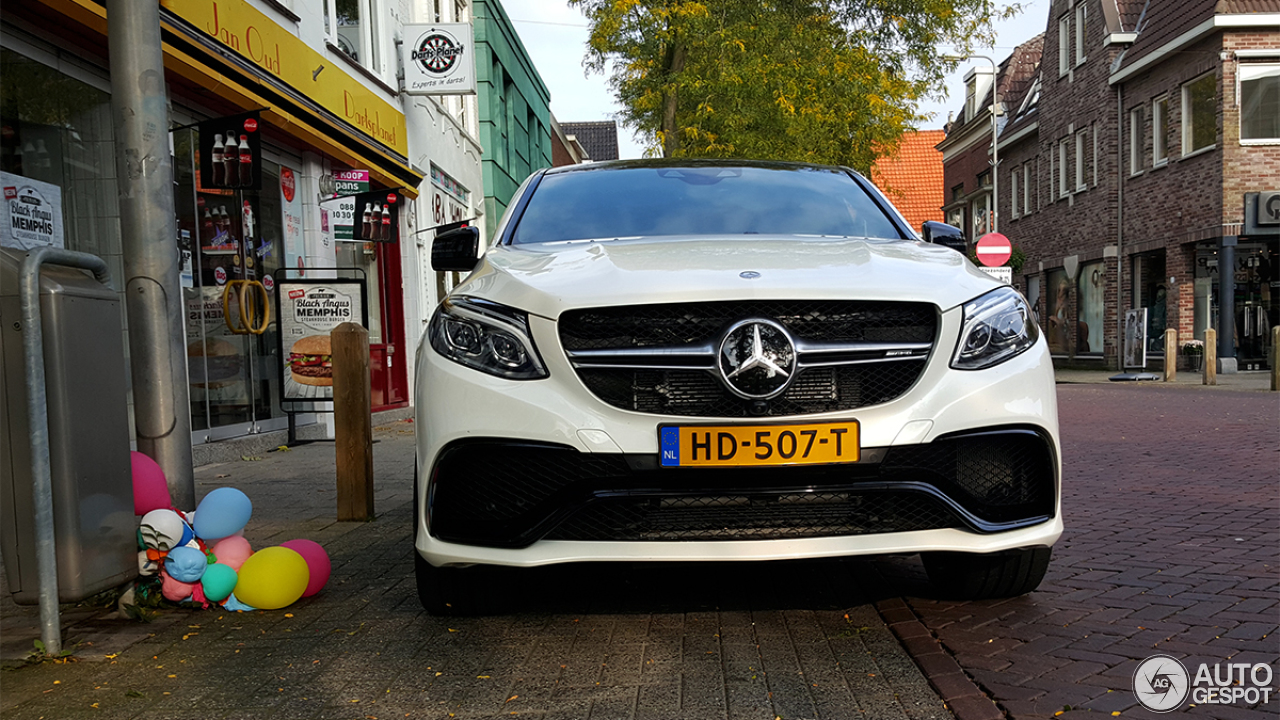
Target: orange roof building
[(912, 177)]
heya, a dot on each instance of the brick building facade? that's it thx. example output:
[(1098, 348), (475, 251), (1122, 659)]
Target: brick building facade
[(1125, 158)]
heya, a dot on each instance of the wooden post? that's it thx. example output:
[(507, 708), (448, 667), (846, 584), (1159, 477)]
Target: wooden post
[(353, 421), (1275, 358), (1170, 354), (1210, 357)]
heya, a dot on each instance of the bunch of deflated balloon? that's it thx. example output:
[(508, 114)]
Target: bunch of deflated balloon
[(203, 557)]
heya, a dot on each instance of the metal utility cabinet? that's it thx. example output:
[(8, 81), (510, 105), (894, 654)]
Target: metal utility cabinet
[(90, 469)]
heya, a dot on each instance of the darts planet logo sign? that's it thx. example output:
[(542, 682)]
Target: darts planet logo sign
[(1162, 684), (437, 53), (440, 61)]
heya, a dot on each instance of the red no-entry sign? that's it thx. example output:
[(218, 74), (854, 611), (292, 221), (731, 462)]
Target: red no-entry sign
[(994, 250)]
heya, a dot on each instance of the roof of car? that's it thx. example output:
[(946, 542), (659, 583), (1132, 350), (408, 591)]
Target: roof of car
[(689, 162)]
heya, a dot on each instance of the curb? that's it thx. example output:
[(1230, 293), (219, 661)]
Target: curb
[(964, 698)]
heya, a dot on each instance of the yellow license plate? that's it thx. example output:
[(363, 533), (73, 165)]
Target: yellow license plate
[(757, 445)]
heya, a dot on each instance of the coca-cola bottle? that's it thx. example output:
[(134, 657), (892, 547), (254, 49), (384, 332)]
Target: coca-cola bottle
[(207, 230), (386, 223), (246, 162), (230, 158), (215, 161), (366, 230), (375, 222)]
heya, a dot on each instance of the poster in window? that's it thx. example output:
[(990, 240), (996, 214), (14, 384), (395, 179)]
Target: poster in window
[(1058, 306), (308, 310), (32, 214), (377, 216), (231, 152), (1093, 291)]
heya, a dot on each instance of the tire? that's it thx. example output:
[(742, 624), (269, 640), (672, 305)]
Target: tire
[(970, 576)]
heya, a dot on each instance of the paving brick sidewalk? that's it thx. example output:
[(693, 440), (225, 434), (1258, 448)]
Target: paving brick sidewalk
[(1172, 508), (734, 640)]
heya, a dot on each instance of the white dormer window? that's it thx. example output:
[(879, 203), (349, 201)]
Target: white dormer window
[(970, 98)]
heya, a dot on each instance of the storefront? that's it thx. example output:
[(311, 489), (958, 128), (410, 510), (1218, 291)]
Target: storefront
[(1256, 307), (221, 60)]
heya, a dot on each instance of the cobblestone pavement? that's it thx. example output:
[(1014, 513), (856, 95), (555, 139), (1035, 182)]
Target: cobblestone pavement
[(783, 640), (1172, 509)]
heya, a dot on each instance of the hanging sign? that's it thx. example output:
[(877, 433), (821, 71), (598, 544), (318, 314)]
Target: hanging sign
[(231, 152), (377, 216), (32, 213), (439, 59)]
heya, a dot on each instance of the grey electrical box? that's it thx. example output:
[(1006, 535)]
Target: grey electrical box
[(87, 391)]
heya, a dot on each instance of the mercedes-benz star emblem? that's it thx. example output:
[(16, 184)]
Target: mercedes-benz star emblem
[(749, 275), (757, 359)]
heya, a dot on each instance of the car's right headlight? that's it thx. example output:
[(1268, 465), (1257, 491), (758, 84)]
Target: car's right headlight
[(486, 336), (996, 327)]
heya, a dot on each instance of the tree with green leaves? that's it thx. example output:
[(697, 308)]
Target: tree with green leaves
[(825, 81)]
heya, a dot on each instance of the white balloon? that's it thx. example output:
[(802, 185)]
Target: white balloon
[(161, 529)]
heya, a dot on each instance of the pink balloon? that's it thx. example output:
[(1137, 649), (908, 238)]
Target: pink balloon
[(174, 590), (317, 562), (150, 490), (232, 551)]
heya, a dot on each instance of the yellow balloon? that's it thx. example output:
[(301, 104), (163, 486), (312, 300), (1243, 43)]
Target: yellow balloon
[(272, 578)]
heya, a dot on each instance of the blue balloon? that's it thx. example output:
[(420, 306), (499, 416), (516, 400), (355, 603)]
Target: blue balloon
[(185, 564), (187, 534), (222, 513)]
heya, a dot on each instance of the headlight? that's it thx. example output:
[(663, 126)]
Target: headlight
[(486, 336), (997, 326)]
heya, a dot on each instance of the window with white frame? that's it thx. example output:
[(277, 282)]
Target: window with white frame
[(1026, 187), (1093, 162), (1013, 192), (1082, 15), (1050, 178), (1082, 139), (1199, 114), (354, 27), (970, 98), (1064, 45), (1136, 140), (1063, 188), (1259, 102), (1160, 131)]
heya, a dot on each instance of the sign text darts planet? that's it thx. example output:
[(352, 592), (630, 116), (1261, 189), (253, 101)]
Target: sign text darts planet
[(222, 513)]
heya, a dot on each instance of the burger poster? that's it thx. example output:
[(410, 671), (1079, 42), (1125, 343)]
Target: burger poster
[(32, 214), (309, 311)]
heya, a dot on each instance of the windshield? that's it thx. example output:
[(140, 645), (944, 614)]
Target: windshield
[(700, 200)]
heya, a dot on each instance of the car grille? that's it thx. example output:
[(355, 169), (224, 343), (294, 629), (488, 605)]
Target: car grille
[(499, 494), (661, 359)]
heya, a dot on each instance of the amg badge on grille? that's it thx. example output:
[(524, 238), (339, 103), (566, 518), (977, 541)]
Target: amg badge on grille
[(757, 359)]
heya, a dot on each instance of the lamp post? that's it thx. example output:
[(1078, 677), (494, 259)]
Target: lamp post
[(995, 132)]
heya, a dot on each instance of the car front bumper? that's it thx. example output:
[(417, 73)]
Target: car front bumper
[(512, 468)]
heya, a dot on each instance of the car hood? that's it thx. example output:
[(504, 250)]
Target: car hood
[(548, 278)]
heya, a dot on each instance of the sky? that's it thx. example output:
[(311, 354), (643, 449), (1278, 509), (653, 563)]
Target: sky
[(555, 36)]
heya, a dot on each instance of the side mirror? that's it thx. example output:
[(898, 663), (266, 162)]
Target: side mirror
[(945, 235), (457, 249)]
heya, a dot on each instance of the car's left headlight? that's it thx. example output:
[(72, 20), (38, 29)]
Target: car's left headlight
[(486, 336), (996, 327)]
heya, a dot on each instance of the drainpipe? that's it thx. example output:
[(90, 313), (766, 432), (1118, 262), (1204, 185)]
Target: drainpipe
[(1120, 227), (153, 293)]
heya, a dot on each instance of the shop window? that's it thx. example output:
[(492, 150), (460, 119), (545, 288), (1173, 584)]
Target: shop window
[(1092, 287), (1135, 141), (1058, 309), (1260, 103), (354, 27), (1199, 114), (1160, 131), (980, 212), (57, 129)]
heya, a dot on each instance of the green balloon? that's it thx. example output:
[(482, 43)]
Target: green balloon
[(218, 581)]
